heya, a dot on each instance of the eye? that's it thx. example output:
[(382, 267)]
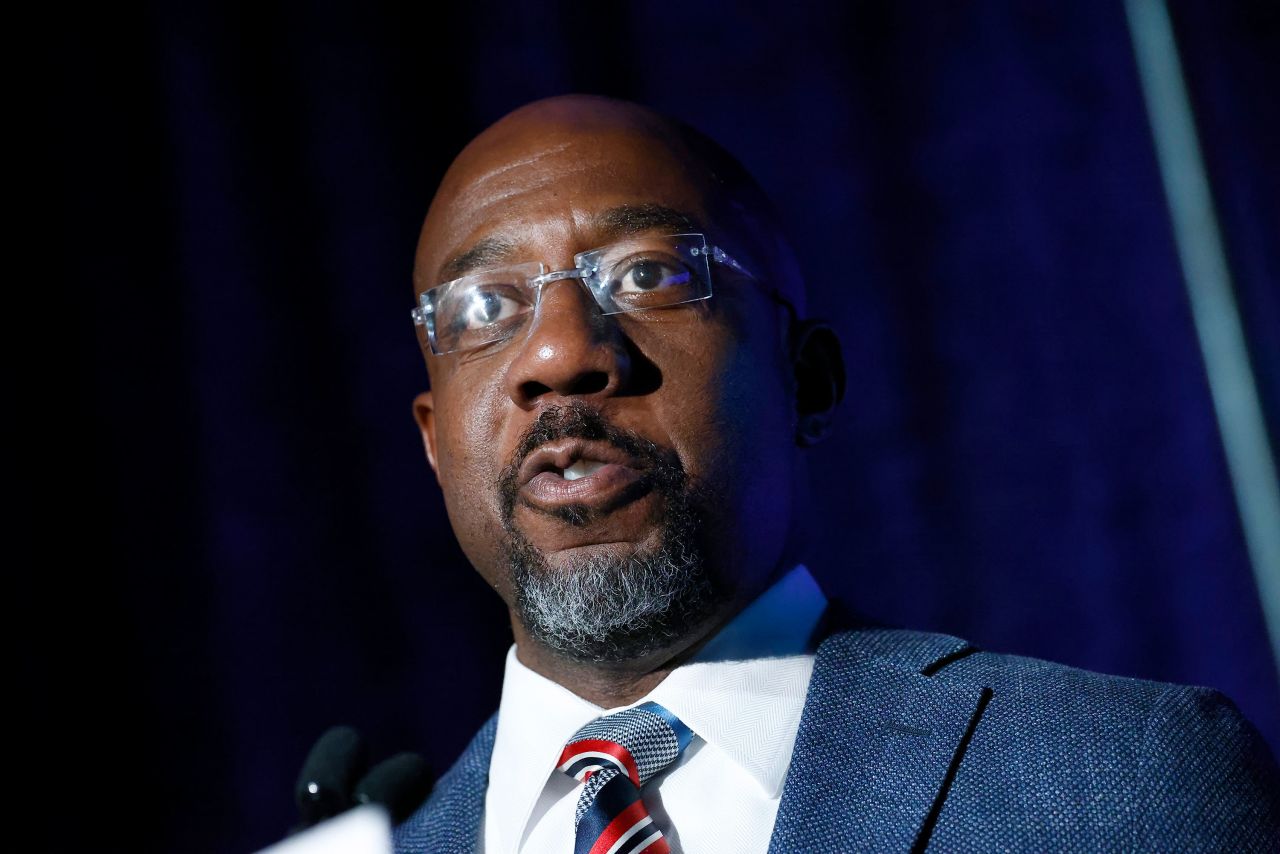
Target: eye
[(647, 275), (483, 306)]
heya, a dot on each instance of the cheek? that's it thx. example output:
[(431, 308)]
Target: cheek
[(736, 418), (736, 432), (469, 412), (759, 454), (467, 436), (758, 434)]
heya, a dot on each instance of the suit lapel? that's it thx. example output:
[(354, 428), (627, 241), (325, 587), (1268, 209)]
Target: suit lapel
[(876, 746), (449, 822)]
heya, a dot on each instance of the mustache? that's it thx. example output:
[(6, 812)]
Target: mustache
[(577, 420)]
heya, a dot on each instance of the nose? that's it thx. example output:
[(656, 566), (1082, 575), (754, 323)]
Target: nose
[(572, 351)]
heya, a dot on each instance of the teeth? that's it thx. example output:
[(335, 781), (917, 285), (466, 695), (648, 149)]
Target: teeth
[(582, 468)]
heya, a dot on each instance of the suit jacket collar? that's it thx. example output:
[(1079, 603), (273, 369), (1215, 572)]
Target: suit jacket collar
[(449, 822), (878, 743)]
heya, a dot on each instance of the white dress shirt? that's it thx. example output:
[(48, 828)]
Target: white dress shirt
[(742, 696)]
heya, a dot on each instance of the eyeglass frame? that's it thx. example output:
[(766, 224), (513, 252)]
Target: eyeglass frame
[(422, 313)]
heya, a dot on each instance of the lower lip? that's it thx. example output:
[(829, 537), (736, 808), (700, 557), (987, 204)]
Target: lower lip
[(609, 484)]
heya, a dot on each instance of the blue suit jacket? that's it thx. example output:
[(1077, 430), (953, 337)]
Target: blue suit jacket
[(911, 740)]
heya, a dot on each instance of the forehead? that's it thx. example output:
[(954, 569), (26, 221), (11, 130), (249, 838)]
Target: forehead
[(549, 188)]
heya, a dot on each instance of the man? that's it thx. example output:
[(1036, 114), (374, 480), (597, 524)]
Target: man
[(622, 391)]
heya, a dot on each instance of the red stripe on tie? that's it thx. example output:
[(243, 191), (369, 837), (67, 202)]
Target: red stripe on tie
[(657, 846), (625, 821), (598, 745)]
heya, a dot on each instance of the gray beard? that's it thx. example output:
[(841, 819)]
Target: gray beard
[(613, 608), (605, 608)]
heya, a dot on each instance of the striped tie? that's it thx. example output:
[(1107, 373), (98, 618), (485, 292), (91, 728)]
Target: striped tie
[(615, 756)]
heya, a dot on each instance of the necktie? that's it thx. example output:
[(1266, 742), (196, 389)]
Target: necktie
[(615, 756)]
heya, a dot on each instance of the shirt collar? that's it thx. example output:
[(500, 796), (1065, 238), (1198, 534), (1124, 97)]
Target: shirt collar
[(536, 718), (743, 692)]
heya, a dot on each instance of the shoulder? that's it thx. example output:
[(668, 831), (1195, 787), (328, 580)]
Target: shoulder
[(1051, 688), (450, 818), (1159, 764)]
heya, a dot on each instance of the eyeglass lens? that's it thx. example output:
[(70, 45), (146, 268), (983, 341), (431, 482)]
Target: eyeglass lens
[(636, 274)]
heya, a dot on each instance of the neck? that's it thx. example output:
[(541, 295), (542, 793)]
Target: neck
[(610, 684)]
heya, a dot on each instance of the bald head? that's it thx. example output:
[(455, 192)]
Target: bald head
[(496, 164)]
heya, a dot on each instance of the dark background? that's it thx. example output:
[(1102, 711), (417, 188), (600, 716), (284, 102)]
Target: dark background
[(233, 522)]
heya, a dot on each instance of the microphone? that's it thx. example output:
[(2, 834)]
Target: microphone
[(400, 784), (324, 785), (331, 780)]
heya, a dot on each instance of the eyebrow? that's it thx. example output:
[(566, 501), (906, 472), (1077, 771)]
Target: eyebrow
[(610, 224), (635, 219), (486, 253)]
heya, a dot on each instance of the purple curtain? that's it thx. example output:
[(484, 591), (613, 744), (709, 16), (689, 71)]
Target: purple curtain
[(245, 544)]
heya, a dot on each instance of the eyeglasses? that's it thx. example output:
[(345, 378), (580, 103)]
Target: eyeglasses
[(636, 274)]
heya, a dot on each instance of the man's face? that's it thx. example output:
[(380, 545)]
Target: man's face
[(681, 418)]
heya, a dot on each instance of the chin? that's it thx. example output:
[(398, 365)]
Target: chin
[(614, 602)]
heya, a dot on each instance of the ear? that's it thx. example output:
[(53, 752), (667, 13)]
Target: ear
[(820, 379), (424, 412)]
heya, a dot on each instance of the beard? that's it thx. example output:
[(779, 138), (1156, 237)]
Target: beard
[(610, 607)]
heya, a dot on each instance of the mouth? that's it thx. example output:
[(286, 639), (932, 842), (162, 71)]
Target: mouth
[(594, 475)]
